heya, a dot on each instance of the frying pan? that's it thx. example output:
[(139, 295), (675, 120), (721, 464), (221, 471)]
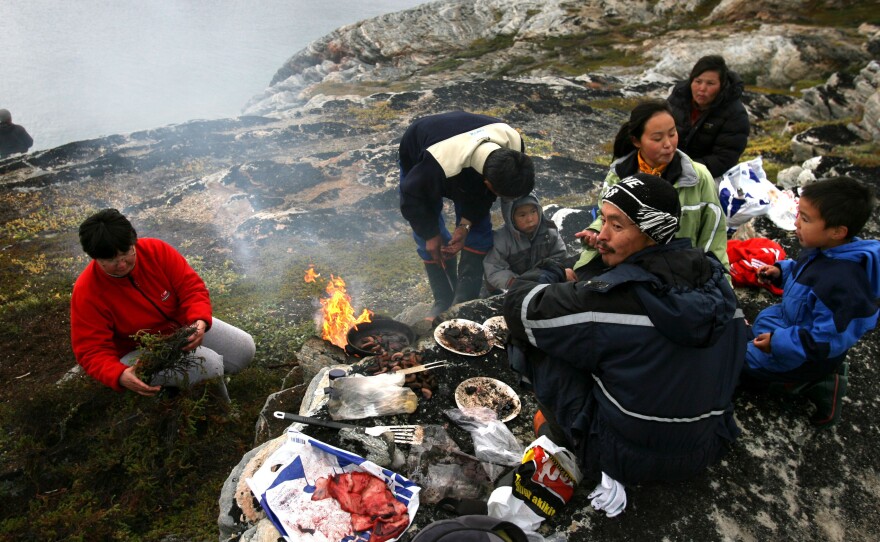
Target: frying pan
[(379, 325)]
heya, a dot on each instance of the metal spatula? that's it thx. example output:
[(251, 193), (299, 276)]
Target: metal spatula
[(403, 434)]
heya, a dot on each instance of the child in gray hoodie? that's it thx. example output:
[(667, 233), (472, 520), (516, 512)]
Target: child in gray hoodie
[(525, 239)]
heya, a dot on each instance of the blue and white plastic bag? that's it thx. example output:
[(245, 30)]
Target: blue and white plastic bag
[(745, 193), (284, 485)]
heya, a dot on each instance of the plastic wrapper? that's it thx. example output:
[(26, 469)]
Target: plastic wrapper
[(357, 397), (285, 483), (442, 470), (494, 443), (541, 485)]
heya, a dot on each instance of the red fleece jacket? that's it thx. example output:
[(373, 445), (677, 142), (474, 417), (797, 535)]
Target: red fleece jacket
[(161, 294)]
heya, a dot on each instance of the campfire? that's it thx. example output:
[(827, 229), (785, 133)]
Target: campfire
[(337, 313), (386, 340)]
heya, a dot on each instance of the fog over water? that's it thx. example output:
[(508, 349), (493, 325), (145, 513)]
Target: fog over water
[(89, 68)]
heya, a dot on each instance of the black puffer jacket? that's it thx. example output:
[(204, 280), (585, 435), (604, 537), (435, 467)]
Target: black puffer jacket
[(720, 134), (13, 139), (638, 364)]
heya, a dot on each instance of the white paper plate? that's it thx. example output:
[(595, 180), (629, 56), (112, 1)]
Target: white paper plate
[(441, 335), (497, 326), (482, 391)]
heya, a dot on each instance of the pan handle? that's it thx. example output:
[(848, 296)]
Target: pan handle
[(313, 421)]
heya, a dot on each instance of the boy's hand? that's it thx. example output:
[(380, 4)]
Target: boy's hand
[(768, 273), (588, 237), (762, 342)]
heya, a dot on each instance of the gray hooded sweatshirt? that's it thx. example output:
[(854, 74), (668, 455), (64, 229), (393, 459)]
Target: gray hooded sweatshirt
[(514, 252)]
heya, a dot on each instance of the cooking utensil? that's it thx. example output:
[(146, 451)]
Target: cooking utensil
[(426, 367), (475, 331), (482, 391), (403, 434)]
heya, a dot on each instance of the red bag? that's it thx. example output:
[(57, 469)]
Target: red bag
[(747, 256)]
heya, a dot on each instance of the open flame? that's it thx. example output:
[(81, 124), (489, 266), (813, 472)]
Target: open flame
[(311, 275), (337, 314)]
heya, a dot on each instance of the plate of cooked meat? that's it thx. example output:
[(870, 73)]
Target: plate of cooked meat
[(482, 391), (464, 337)]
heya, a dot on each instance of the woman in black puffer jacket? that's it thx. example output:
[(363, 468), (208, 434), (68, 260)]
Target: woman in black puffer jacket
[(712, 123)]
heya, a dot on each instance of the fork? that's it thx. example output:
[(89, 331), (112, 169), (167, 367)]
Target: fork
[(402, 434), (425, 367)]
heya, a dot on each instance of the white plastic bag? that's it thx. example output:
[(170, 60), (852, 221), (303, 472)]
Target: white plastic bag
[(543, 483), (745, 193)]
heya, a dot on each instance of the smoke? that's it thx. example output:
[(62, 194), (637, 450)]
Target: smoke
[(87, 69)]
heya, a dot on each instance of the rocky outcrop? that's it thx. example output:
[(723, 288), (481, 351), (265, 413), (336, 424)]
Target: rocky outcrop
[(842, 97), (427, 45), (771, 55)]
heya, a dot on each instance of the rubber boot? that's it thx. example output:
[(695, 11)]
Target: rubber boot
[(470, 277), (442, 283), (827, 394)]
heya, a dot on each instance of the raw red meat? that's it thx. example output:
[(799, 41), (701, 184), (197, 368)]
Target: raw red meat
[(369, 501)]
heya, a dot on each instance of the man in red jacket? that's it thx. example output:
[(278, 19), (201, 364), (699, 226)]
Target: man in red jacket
[(134, 285)]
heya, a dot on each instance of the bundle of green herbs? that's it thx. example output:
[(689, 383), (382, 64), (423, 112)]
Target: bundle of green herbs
[(165, 353)]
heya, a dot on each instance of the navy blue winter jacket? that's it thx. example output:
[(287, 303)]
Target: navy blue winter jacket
[(638, 364)]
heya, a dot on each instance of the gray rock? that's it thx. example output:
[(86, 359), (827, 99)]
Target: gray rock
[(788, 177), (286, 400), (841, 97), (232, 521)]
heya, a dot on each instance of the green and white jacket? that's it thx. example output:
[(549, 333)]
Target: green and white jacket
[(702, 219)]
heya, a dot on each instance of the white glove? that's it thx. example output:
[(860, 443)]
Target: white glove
[(609, 496)]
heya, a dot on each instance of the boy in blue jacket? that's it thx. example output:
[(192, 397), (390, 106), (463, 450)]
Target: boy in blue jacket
[(829, 299)]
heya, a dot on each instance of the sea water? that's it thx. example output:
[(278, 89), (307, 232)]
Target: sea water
[(89, 68)]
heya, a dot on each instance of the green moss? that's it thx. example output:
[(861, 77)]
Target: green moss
[(376, 116), (516, 66), (538, 147), (619, 103), (476, 49), (576, 54), (824, 13), (483, 46), (864, 155)]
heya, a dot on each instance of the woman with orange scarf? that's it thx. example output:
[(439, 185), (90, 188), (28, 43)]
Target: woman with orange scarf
[(647, 143)]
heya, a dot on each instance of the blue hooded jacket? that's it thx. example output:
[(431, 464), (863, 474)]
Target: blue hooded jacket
[(829, 302)]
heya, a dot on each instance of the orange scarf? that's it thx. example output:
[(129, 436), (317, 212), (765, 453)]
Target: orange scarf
[(645, 168)]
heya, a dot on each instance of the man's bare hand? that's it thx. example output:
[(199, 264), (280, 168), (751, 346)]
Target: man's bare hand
[(129, 380), (588, 237), (455, 244), (570, 275), (433, 246)]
